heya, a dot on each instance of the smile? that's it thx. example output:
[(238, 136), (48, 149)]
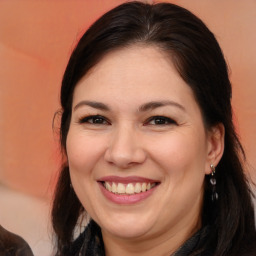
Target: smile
[(128, 189)]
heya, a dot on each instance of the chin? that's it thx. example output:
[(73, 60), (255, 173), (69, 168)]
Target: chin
[(127, 233), (127, 229)]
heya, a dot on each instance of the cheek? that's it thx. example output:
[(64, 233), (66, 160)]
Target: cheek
[(179, 149), (83, 151), (184, 162), (182, 159)]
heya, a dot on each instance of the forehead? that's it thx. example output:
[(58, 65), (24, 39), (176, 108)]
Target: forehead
[(138, 73)]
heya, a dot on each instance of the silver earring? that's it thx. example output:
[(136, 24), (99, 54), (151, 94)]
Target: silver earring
[(213, 182)]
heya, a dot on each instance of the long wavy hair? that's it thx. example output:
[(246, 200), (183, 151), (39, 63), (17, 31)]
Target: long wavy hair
[(197, 56)]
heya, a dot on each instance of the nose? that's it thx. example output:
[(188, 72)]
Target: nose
[(125, 148)]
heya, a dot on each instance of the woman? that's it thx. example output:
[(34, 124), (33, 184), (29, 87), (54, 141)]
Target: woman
[(150, 150)]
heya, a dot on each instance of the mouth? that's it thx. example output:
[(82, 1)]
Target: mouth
[(128, 188)]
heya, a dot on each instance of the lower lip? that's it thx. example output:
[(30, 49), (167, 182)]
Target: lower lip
[(126, 199)]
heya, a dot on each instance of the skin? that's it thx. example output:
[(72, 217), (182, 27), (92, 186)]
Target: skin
[(128, 141)]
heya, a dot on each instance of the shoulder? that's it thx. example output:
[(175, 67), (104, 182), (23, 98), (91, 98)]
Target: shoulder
[(11, 244)]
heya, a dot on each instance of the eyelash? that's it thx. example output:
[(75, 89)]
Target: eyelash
[(94, 119), (162, 119), (101, 120)]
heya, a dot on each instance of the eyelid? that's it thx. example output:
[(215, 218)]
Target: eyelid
[(169, 120), (86, 118)]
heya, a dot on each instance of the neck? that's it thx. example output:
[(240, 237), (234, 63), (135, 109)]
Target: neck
[(162, 245)]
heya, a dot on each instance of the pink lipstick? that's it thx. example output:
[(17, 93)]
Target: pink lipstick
[(127, 190)]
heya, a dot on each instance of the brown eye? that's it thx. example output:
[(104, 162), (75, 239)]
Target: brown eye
[(160, 120), (97, 119)]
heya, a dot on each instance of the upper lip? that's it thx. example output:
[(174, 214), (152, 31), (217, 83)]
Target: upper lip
[(126, 180)]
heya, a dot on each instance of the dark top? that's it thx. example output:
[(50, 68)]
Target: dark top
[(90, 243), (13, 245)]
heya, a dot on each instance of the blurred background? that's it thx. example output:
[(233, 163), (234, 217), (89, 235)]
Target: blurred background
[(36, 39)]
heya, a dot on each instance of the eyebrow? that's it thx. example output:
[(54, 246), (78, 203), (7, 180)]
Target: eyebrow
[(143, 108), (93, 104), (156, 104)]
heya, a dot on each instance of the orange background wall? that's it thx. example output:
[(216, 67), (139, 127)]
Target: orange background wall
[(36, 39)]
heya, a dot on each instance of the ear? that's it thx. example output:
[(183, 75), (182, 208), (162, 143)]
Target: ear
[(215, 146)]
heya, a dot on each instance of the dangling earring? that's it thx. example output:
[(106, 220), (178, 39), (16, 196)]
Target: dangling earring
[(213, 184)]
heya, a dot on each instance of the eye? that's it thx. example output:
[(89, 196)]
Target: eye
[(95, 119), (160, 120)]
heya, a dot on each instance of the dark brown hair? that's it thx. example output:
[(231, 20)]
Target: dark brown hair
[(198, 58)]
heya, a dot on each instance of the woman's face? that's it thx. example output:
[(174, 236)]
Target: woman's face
[(137, 147)]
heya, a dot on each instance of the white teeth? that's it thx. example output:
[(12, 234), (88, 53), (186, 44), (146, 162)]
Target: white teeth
[(114, 187), (137, 188), (108, 186), (144, 187), (120, 188), (129, 188)]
